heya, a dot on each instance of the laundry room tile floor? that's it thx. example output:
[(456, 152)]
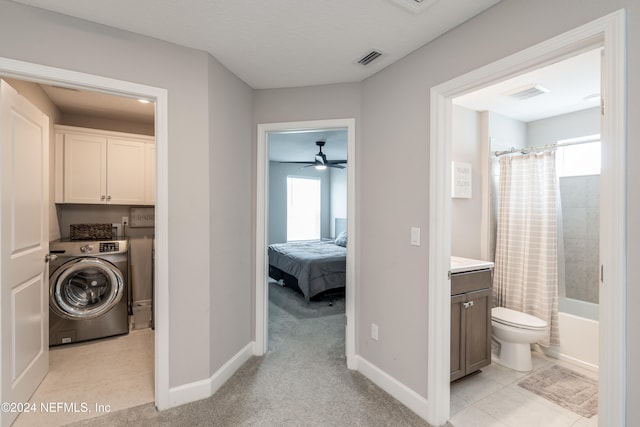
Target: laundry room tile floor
[(117, 372)]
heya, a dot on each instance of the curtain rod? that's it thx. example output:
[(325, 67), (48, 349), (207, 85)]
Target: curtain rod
[(563, 143)]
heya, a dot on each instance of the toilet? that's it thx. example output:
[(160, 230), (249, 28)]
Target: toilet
[(515, 332)]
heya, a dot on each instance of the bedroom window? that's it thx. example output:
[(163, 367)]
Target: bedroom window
[(303, 208)]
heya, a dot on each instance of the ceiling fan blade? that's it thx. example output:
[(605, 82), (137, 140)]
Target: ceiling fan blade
[(333, 165), (304, 163), (336, 162)]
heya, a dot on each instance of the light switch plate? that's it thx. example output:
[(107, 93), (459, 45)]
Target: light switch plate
[(415, 236)]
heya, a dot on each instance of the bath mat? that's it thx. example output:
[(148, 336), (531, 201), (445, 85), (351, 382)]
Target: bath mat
[(566, 388)]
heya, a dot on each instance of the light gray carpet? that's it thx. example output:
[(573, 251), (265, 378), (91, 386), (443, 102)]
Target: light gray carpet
[(293, 303), (566, 388), (302, 381)]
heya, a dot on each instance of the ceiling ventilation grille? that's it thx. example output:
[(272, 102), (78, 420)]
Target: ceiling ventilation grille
[(415, 6), (527, 92), (369, 57)]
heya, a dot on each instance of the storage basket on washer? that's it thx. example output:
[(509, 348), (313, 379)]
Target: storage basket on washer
[(91, 231)]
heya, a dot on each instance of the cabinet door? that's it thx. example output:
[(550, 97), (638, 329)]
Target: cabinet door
[(85, 162), (458, 360), (125, 172), (478, 330), (150, 174)]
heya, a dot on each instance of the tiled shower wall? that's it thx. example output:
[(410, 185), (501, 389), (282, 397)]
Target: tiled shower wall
[(580, 197)]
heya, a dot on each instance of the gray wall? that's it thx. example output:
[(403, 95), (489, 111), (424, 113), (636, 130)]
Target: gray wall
[(196, 185), (230, 215), (466, 214), (392, 118), (564, 126), (92, 122), (395, 127)]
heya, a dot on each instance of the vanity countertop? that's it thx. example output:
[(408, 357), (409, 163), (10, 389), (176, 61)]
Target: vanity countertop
[(461, 265)]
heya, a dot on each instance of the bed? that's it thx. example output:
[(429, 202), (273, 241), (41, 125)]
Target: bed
[(314, 267)]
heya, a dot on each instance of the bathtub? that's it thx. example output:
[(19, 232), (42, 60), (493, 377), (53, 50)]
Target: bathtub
[(579, 334)]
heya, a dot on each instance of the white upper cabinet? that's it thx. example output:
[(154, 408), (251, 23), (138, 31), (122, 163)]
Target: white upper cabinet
[(150, 174), (101, 167)]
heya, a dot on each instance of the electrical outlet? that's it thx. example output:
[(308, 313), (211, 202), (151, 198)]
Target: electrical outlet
[(125, 220), (374, 331)]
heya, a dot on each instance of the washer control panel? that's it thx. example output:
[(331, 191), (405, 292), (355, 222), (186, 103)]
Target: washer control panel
[(109, 247)]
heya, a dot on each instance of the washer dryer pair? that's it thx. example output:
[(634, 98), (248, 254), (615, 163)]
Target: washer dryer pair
[(88, 290)]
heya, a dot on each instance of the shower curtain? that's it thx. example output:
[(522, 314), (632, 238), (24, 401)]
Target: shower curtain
[(526, 263)]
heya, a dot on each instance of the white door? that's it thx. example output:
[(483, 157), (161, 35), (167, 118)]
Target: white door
[(24, 243)]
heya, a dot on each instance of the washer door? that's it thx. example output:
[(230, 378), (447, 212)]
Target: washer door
[(85, 288)]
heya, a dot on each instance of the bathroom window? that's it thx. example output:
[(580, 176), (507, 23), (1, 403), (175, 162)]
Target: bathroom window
[(581, 159), (303, 208)]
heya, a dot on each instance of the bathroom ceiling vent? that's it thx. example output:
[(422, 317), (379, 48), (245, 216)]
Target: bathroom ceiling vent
[(369, 57), (526, 92)]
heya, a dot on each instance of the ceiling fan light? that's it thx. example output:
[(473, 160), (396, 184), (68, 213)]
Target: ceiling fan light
[(320, 167)]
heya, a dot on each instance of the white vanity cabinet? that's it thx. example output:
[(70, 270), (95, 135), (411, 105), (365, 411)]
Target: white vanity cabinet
[(103, 167)]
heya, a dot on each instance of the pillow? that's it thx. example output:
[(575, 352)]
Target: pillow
[(341, 240)]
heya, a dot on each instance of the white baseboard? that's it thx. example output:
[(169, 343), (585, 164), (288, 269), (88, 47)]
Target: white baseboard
[(203, 389), (395, 388)]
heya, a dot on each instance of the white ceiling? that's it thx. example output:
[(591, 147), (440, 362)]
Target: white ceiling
[(284, 43), (301, 146), (73, 101), (568, 81)]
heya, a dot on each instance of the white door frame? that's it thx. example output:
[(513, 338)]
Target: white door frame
[(58, 76), (262, 209), (608, 32)]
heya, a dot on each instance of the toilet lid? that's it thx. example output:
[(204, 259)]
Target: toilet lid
[(517, 319)]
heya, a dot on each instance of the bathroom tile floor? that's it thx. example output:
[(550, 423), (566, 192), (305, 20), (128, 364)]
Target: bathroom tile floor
[(493, 398), (114, 371)]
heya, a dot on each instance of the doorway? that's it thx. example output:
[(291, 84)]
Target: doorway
[(48, 75), (262, 218), (606, 32), (490, 129)]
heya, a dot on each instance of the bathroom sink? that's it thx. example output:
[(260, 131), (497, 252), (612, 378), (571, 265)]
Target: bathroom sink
[(470, 275), (461, 265)]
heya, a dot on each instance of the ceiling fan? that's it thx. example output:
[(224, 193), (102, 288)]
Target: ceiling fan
[(320, 162)]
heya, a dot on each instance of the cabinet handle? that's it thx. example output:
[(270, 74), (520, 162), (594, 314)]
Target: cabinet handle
[(467, 304), (102, 197), (108, 198)]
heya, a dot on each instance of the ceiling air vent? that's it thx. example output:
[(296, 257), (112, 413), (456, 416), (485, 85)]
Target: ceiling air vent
[(369, 57), (527, 92), (415, 6)]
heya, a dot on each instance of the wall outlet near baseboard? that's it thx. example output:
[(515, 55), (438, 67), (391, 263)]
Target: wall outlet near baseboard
[(374, 331)]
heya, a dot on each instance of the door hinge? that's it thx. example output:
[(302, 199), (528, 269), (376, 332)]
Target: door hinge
[(601, 273)]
